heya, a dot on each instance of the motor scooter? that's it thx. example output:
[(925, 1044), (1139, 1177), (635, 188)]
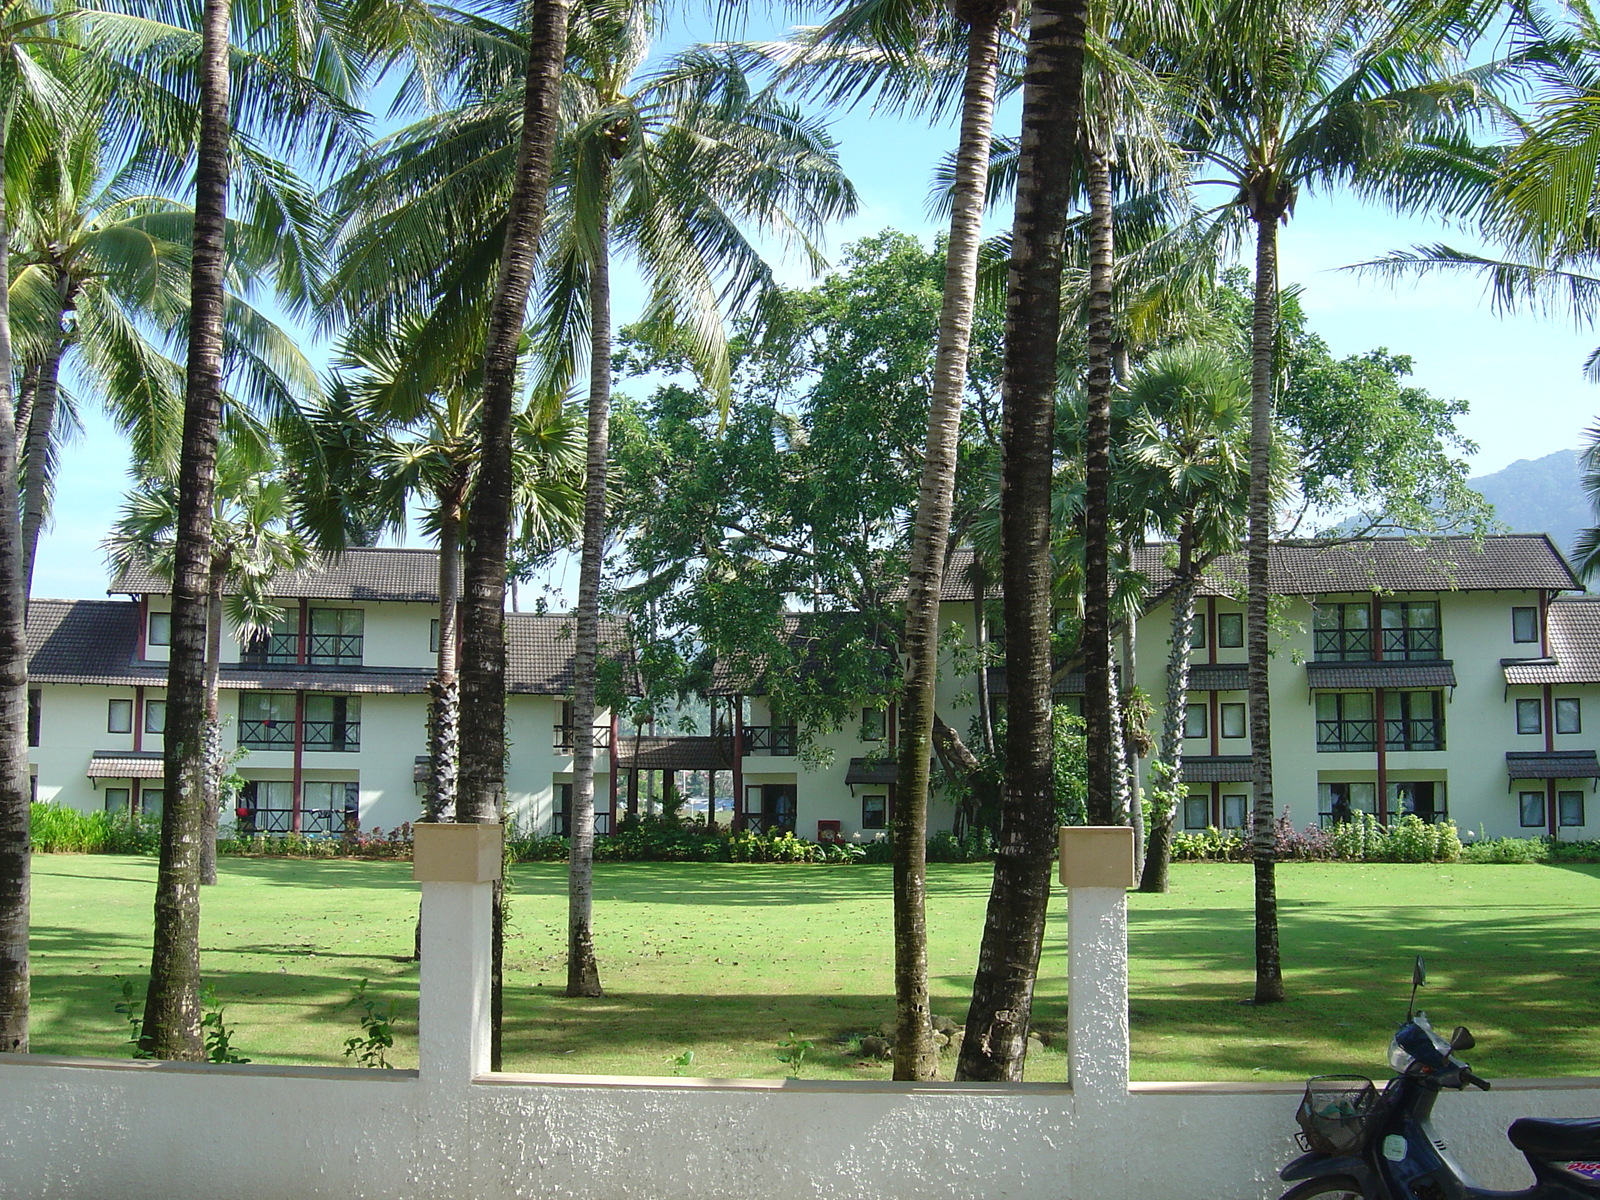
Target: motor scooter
[(1363, 1143)]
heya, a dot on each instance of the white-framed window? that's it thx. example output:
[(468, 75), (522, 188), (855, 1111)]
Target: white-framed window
[(160, 629), (155, 716), (1569, 807), (1524, 624), (119, 718), (1530, 809), (1194, 721), (1530, 716), (1230, 630), (1569, 714), (1232, 719)]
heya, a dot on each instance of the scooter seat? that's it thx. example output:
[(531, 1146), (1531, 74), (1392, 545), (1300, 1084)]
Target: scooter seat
[(1556, 1139)]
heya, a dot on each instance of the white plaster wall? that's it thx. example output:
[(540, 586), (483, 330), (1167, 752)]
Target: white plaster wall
[(72, 724), (396, 634), (535, 765)]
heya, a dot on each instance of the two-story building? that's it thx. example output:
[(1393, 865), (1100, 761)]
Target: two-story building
[(327, 710)]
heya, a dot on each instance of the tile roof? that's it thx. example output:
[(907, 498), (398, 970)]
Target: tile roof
[(125, 764), (675, 753), (87, 641), (539, 652), (1216, 768), (1219, 677), (1069, 683), (1381, 674), (1552, 764), (1574, 624), (812, 639), (1513, 562), (371, 573), (879, 771)]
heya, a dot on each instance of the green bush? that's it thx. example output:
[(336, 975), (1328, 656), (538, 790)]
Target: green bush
[(1210, 845), (57, 829)]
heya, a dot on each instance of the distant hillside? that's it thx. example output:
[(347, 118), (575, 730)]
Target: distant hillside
[(1539, 495)]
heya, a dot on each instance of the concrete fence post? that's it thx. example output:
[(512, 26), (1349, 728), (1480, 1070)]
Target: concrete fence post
[(1097, 869), (457, 866)]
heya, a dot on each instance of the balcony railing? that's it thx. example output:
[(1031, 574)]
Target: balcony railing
[(333, 735), (1414, 733), (281, 820), (1343, 645), (274, 649), (322, 650), (776, 740), (1347, 735), (567, 737), (1413, 643), (266, 734), (334, 649)]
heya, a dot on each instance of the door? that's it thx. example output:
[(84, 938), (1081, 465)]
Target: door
[(778, 804)]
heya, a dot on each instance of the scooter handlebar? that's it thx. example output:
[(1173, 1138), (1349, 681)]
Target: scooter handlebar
[(1476, 1081)]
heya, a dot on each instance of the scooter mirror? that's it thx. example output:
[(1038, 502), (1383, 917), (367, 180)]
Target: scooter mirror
[(1419, 973), (1462, 1039)]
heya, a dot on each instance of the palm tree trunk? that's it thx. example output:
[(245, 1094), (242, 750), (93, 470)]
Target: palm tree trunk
[(14, 786), (213, 731), (996, 1038), (481, 789), (444, 713), (583, 970), (40, 430), (172, 1004), (1263, 343), (1130, 743), (914, 1053), (1166, 795), (1100, 692)]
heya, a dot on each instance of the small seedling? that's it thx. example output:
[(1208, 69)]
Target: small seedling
[(680, 1062), (219, 1038), (371, 1048), (132, 1011), (794, 1051)]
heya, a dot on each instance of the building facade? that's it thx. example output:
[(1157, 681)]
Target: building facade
[(326, 712)]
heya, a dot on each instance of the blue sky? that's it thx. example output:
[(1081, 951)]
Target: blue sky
[(1521, 375)]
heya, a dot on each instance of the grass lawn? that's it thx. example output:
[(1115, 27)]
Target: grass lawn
[(726, 960)]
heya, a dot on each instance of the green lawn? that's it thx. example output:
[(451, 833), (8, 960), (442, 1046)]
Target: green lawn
[(726, 960)]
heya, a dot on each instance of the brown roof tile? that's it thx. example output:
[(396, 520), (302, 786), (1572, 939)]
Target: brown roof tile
[(675, 753), (539, 652), (1217, 768), (1219, 677), (87, 641), (1574, 646), (1552, 764), (1514, 562), (371, 573), (125, 764), (1381, 674)]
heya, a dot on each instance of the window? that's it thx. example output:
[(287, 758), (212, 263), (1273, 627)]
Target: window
[(1530, 809), (266, 806), (35, 714), (1230, 630), (875, 812), (266, 720), (150, 801), (1524, 624), (1425, 799), (160, 629), (1530, 716), (1235, 811), (119, 716), (335, 637), (1341, 632), (1569, 807), (155, 716), (333, 722), (561, 815), (874, 724), (1413, 720), (277, 646), (1232, 720), (1196, 812), (117, 801), (1569, 715), (1197, 633), (433, 636), (329, 807), (1411, 629), (1338, 803), (1345, 721), (1194, 721)]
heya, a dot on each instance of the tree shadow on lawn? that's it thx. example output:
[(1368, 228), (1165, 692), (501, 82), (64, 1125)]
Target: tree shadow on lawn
[(343, 874), (749, 884)]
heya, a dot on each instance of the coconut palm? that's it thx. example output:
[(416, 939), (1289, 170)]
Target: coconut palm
[(1306, 96)]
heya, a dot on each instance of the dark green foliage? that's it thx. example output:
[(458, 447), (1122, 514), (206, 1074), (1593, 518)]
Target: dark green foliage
[(370, 1048), (59, 830), (218, 1037)]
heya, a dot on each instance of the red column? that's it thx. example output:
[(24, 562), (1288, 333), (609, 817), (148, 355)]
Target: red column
[(738, 764), (299, 749)]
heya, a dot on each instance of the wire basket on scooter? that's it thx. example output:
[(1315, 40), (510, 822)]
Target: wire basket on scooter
[(1339, 1113)]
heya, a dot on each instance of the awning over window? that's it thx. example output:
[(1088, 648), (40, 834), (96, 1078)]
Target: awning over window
[(674, 753), (1381, 674), (1217, 768), (1552, 764), (881, 771), (125, 764), (422, 768), (1219, 677)]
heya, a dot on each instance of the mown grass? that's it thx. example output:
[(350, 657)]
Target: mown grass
[(725, 960)]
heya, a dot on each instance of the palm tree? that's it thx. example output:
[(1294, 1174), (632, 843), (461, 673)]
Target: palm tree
[(1308, 96), (1002, 994), (1186, 447), (250, 545)]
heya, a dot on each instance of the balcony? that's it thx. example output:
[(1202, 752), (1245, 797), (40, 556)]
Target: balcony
[(566, 737), (271, 650), (1413, 733), (776, 740), (1342, 645), (334, 649), (333, 735), (1347, 735), (266, 734), (281, 820), (1406, 645), (319, 735)]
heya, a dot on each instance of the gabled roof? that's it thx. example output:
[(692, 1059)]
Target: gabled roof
[(1513, 562), (539, 650), (87, 641), (1574, 625), (371, 573)]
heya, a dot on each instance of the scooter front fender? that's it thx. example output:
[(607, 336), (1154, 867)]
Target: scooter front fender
[(1321, 1166)]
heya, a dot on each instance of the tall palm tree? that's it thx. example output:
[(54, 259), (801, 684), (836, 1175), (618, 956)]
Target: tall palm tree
[(1002, 993), (1306, 96)]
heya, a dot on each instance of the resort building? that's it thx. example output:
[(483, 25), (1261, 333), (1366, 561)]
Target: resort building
[(327, 711)]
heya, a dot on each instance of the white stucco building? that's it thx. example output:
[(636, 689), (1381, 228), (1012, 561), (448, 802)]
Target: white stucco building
[(330, 708)]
